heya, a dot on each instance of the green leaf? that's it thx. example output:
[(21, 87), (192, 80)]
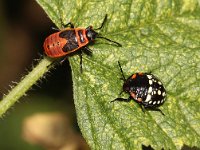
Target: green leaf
[(158, 36)]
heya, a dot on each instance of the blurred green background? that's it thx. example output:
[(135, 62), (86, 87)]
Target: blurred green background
[(24, 26)]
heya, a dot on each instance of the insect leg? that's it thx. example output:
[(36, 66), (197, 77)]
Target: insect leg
[(68, 24), (122, 99), (87, 50), (81, 61)]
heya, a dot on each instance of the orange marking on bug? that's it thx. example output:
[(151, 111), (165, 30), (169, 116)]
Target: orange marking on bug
[(134, 76), (140, 73), (133, 95), (139, 99), (85, 37)]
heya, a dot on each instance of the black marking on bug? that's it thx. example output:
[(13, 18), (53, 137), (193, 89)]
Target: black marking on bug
[(80, 33), (70, 36)]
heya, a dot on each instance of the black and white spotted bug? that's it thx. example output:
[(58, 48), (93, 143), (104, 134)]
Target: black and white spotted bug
[(144, 88)]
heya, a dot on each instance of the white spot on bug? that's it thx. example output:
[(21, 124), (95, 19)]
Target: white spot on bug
[(149, 76), (150, 102), (154, 102), (159, 92), (154, 92), (163, 94), (150, 82), (150, 89), (148, 98), (158, 102), (159, 83)]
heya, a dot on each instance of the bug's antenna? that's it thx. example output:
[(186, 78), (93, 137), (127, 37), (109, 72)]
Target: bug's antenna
[(102, 24), (118, 44), (124, 79)]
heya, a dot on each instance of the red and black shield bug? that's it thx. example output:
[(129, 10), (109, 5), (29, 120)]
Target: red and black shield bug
[(144, 88), (70, 40)]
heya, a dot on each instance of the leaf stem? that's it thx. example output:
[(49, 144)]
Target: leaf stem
[(26, 82)]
